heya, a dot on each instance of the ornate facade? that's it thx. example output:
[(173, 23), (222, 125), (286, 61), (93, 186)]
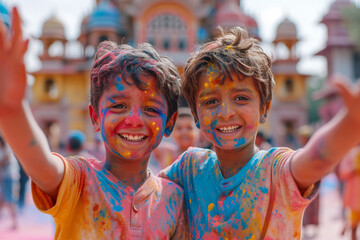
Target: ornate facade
[(174, 27)]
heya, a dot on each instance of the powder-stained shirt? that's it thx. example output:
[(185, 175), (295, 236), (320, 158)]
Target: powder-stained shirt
[(93, 204), (235, 207)]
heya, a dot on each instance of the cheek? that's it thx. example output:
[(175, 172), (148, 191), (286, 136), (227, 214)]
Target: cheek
[(157, 127), (108, 123)]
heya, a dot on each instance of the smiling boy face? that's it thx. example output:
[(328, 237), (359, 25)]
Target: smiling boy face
[(228, 112), (131, 121)]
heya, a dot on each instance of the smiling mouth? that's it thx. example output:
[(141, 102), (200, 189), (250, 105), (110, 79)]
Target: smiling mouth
[(133, 138), (229, 129)]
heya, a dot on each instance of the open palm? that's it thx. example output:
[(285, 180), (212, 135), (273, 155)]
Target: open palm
[(12, 68), (351, 97)]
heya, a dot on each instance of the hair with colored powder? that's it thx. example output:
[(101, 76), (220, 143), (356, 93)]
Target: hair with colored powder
[(234, 51), (112, 60)]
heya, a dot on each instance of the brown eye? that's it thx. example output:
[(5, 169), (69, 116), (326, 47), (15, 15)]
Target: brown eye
[(211, 101)]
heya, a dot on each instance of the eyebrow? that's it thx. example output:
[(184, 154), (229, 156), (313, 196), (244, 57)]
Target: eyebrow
[(157, 100), (241, 90), (127, 96), (118, 96), (206, 92)]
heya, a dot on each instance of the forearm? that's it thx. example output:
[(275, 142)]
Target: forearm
[(325, 149), (30, 145)]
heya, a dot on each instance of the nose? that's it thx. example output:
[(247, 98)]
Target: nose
[(226, 110), (135, 118)]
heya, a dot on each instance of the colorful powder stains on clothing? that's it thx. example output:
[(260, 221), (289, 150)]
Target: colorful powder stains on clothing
[(103, 208), (239, 204)]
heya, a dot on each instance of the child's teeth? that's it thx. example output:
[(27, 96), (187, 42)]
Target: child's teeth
[(228, 129), (134, 138)]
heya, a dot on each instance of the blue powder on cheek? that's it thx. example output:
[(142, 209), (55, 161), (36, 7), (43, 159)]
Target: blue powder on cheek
[(212, 126), (104, 112), (118, 84), (239, 142)]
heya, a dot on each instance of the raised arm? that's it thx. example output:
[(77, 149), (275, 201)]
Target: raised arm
[(17, 123), (331, 142)]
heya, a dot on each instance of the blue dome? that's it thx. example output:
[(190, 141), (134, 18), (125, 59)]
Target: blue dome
[(4, 15), (202, 35), (106, 16)]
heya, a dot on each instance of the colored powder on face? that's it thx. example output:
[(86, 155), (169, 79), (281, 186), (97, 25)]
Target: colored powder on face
[(239, 142), (118, 84), (212, 126)]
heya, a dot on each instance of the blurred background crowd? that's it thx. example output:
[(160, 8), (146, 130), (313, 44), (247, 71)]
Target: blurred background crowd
[(303, 97)]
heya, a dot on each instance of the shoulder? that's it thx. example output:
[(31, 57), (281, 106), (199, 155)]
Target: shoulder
[(276, 155), (80, 163), (198, 155), (168, 186)]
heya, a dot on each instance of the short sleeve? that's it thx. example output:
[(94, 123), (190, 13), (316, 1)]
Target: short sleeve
[(69, 190), (175, 172), (285, 183)]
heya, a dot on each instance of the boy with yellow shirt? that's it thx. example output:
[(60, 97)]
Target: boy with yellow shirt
[(134, 96)]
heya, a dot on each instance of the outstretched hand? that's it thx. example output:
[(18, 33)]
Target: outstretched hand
[(12, 68), (351, 97)]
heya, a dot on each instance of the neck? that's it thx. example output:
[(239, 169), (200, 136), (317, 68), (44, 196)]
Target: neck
[(233, 160), (130, 172)]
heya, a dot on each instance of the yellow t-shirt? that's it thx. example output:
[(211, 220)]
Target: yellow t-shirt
[(93, 204)]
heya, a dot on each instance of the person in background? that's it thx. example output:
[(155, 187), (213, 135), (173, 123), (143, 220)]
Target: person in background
[(185, 135), (261, 141), (23, 179), (7, 182), (349, 172), (75, 145), (97, 149)]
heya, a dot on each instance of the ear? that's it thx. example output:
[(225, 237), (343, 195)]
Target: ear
[(94, 118), (264, 112), (169, 127)]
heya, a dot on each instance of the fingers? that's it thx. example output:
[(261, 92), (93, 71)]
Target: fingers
[(18, 45), (16, 29), (348, 91), (25, 47), (3, 34)]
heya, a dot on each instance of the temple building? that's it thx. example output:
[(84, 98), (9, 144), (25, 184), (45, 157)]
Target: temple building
[(60, 94), (61, 89), (289, 105), (342, 56)]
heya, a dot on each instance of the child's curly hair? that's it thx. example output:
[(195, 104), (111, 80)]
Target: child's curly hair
[(112, 60), (233, 51)]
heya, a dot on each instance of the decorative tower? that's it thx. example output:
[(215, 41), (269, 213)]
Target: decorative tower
[(173, 27), (228, 15), (342, 58), (289, 106), (340, 52), (61, 86), (105, 23)]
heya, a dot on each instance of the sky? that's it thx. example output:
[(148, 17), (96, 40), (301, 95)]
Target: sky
[(306, 14)]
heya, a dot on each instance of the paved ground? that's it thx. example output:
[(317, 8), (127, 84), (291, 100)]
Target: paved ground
[(34, 225)]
